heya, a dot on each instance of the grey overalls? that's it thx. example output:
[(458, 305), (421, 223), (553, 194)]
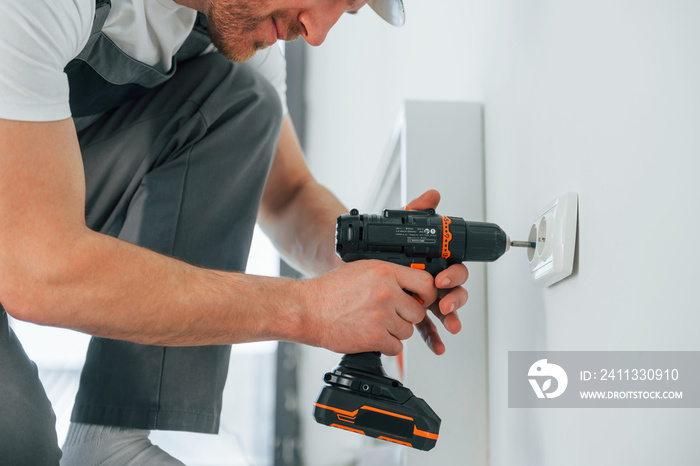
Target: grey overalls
[(176, 163)]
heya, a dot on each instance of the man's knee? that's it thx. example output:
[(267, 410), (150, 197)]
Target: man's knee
[(236, 91), (27, 422), (265, 98), (25, 444)]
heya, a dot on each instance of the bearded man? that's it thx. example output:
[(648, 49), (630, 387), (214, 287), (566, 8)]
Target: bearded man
[(140, 141)]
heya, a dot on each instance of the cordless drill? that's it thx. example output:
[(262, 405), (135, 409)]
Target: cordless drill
[(358, 395)]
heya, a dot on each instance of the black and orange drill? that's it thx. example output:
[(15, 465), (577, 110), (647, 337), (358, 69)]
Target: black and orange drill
[(358, 396)]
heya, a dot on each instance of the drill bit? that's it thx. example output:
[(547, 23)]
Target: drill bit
[(523, 244)]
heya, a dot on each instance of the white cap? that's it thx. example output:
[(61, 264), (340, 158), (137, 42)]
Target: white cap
[(390, 10)]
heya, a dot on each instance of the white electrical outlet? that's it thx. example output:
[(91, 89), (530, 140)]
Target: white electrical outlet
[(554, 232)]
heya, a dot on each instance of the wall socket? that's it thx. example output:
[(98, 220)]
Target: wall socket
[(554, 232)]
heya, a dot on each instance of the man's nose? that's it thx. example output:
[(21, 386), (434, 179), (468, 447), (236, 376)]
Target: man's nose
[(316, 23)]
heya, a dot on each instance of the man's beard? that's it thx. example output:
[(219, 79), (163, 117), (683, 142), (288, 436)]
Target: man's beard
[(234, 27)]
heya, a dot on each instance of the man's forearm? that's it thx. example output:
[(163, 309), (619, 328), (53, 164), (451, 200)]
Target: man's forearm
[(110, 288), (297, 234), (298, 213)]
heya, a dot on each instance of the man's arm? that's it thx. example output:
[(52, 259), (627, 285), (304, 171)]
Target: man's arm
[(56, 271), (299, 215)]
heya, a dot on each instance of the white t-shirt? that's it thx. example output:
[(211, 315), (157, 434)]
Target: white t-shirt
[(39, 37)]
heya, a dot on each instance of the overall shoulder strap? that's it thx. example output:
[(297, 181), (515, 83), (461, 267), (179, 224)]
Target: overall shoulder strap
[(102, 8)]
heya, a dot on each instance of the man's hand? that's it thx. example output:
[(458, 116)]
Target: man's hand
[(451, 294), (364, 306)]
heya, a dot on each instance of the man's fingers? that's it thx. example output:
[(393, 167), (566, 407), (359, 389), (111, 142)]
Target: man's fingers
[(452, 323), (431, 337), (428, 200), (452, 295), (453, 276), (453, 300), (418, 282), (401, 329), (392, 346), (411, 310)]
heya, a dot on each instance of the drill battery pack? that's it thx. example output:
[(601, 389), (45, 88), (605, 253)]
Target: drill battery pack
[(359, 397)]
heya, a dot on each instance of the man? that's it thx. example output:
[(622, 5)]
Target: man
[(132, 167)]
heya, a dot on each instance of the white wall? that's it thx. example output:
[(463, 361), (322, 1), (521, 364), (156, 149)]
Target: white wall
[(597, 97), (601, 98)]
